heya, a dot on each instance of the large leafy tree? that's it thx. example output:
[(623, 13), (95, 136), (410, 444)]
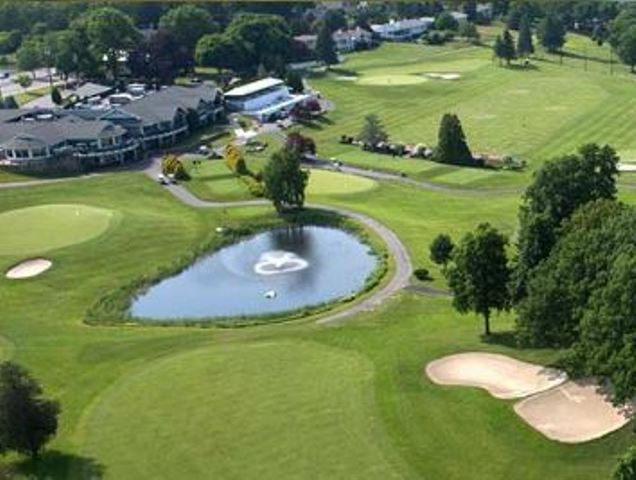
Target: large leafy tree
[(30, 56), (626, 467), (159, 58), (111, 34), (285, 180), (524, 41), (478, 274), (441, 249), (558, 289), (266, 39), (372, 131), (325, 46), (221, 52), (552, 33), (451, 142), (626, 47), (188, 23), (27, 421), (559, 188)]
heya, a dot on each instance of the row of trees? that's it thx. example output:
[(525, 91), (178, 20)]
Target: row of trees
[(572, 280)]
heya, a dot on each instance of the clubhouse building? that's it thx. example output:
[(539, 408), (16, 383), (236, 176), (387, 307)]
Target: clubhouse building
[(265, 100), (102, 133)]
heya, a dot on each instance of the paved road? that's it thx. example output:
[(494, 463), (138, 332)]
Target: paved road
[(403, 266)]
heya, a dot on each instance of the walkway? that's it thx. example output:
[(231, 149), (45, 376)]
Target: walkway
[(402, 268)]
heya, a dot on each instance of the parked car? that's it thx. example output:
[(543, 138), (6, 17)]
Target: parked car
[(4, 75), (162, 180), (172, 179)]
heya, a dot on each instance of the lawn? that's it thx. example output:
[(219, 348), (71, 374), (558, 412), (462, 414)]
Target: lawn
[(532, 113), (281, 401)]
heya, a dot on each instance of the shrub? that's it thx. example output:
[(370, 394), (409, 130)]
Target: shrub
[(422, 274)]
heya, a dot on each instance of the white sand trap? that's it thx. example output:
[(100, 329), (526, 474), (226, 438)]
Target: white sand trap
[(502, 376), (444, 76), (627, 167), (29, 268), (572, 413)]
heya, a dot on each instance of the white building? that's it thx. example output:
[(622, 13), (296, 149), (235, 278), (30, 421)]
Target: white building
[(344, 40), (460, 16), (265, 99), (400, 30)]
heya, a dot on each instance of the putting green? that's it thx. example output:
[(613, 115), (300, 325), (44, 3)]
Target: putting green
[(284, 409), (322, 182), (391, 80), (31, 230)]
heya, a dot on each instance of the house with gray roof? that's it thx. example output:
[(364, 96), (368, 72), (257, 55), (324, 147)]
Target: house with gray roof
[(84, 138)]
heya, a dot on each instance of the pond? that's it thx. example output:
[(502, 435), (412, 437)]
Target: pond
[(273, 272)]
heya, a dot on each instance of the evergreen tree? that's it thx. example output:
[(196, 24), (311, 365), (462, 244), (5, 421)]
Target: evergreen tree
[(56, 96), (372, 131), (451, 144), (505, 47), (552, 33), (295, 81), (524, 41), (325, 46), (626, 47), (27, 421), (441, 249)]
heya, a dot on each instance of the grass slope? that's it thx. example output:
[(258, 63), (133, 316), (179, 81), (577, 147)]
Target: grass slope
[(533, 113), (280, 401)]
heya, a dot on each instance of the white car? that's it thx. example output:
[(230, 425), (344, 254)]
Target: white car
[(161, 178)]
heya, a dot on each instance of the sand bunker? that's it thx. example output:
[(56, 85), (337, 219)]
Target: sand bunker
[(572, 413), (29, 268), (391, 80), (502, 376), (444, 76)]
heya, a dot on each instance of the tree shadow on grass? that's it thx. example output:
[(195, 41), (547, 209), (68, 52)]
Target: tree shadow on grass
[(504, 339), (53, 465)]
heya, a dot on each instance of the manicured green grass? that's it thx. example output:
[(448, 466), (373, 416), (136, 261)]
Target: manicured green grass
[(280, 401), (322, 182), (534, 113), (41, 228)]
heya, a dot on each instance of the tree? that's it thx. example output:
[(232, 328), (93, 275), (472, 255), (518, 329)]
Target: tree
[(372, 131), (478, 275), (441, 249), (325, 46), (159, 59), (505, 47), (187, 24), (552, 33), (559, 188), (234, 160), (265, 39), (445, 21), (524, 41), (29, 55), (56, 96), (171, 165), (468, 30), (626, 47), (220, 51), (295, 81), (24, 80), (626, 467), (10, 102), (111, 34), (300, 143), (333, 20), (285, 181), (27, 421), (451, 142)]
